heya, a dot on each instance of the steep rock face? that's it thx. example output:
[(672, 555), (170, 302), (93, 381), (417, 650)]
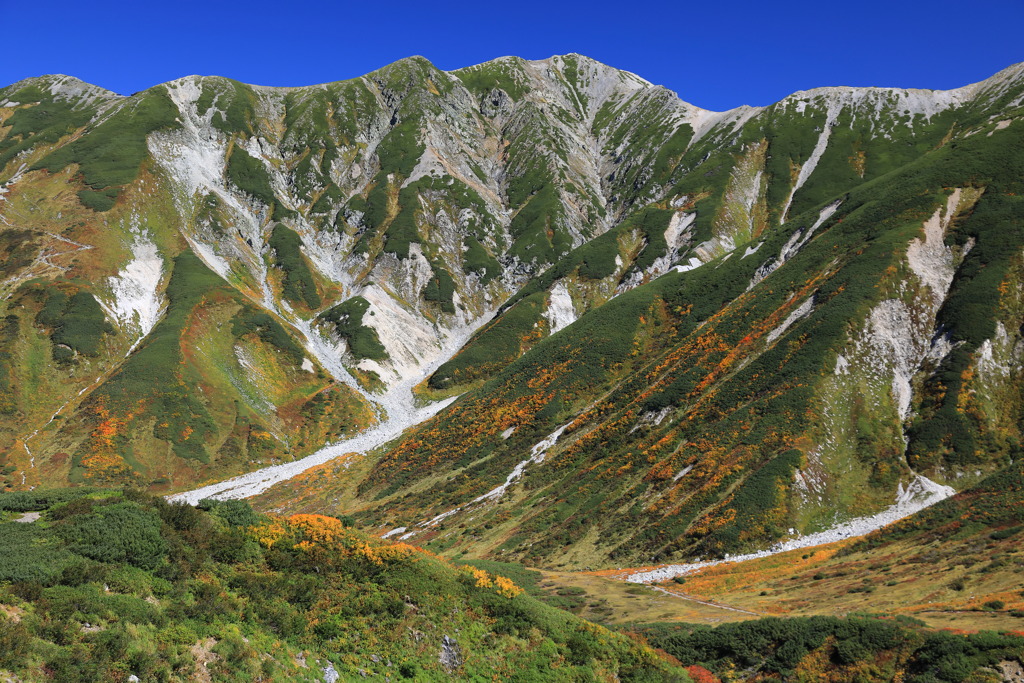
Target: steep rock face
[(209, 277)]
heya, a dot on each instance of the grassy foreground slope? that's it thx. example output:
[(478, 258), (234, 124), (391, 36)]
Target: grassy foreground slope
[(107, 585)]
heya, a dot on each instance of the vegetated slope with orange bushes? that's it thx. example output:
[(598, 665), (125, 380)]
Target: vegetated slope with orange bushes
[(695, 331), (711, 411), (955, 565), (108, 585)]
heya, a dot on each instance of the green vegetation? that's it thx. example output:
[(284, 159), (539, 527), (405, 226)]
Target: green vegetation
[(234, 104), (440, 288), (108, 586), (76, 322), (495, 345), (855, 648), (402, 231), (152, 375), (263, 325), (43, 123), (297, 285), (250, 176), (535, 231), (400, 149), (502, 75), (690, 372), (110, 154), (478, 260), (990, 507), (347, 320)]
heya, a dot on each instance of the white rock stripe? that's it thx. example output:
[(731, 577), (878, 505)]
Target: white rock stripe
[(919, 494)]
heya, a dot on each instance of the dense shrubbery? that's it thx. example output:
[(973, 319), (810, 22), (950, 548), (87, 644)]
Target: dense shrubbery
[(112, 152), (263, 325), (108, 587), (685, 373), (297, 285), (77, 323), (401, 149), (992, 504), (250, 176), (440, 288), (493, 346), (347, 320), (861, 648), (44, 123), (153, 373)]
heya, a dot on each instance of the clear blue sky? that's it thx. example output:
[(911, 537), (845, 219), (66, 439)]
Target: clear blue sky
[(715, 54)]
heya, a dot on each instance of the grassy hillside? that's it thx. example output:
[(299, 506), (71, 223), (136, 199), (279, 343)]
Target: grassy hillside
[(690, 404), (955, 565), (104, 585)]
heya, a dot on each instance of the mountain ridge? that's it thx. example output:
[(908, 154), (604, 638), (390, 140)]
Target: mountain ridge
[(312, 259), (1010, 70)]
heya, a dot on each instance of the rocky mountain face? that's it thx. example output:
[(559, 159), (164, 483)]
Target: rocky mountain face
[(671, 332)]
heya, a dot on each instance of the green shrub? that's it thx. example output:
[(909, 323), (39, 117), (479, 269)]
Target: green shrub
[(347, 320), (440, 288), (111, 152), (263, 325), (478, 260), (76, 321), (122, 532), (250, 176), (152, 375)]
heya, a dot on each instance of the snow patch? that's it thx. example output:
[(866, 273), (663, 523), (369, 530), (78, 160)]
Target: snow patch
[(793, 245), (537, 454), (692, 264), (930, 258), (677, 237), (1000, 356), (682, 473)]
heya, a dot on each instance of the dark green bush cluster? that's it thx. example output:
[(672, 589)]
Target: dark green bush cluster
[(131, 585), (77, 323), (493, 346), (111, 153), (250, 176), (263, 325), (440, 288), (400, 149), (152, 375), (347, 319), (776, 647), (297, 285), (45, 123)]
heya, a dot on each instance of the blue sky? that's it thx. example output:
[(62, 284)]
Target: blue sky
[(715, 54)]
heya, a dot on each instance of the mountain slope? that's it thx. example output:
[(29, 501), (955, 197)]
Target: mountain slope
[(681, 332)]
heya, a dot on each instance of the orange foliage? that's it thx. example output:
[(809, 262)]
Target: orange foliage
[(701, 675)]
